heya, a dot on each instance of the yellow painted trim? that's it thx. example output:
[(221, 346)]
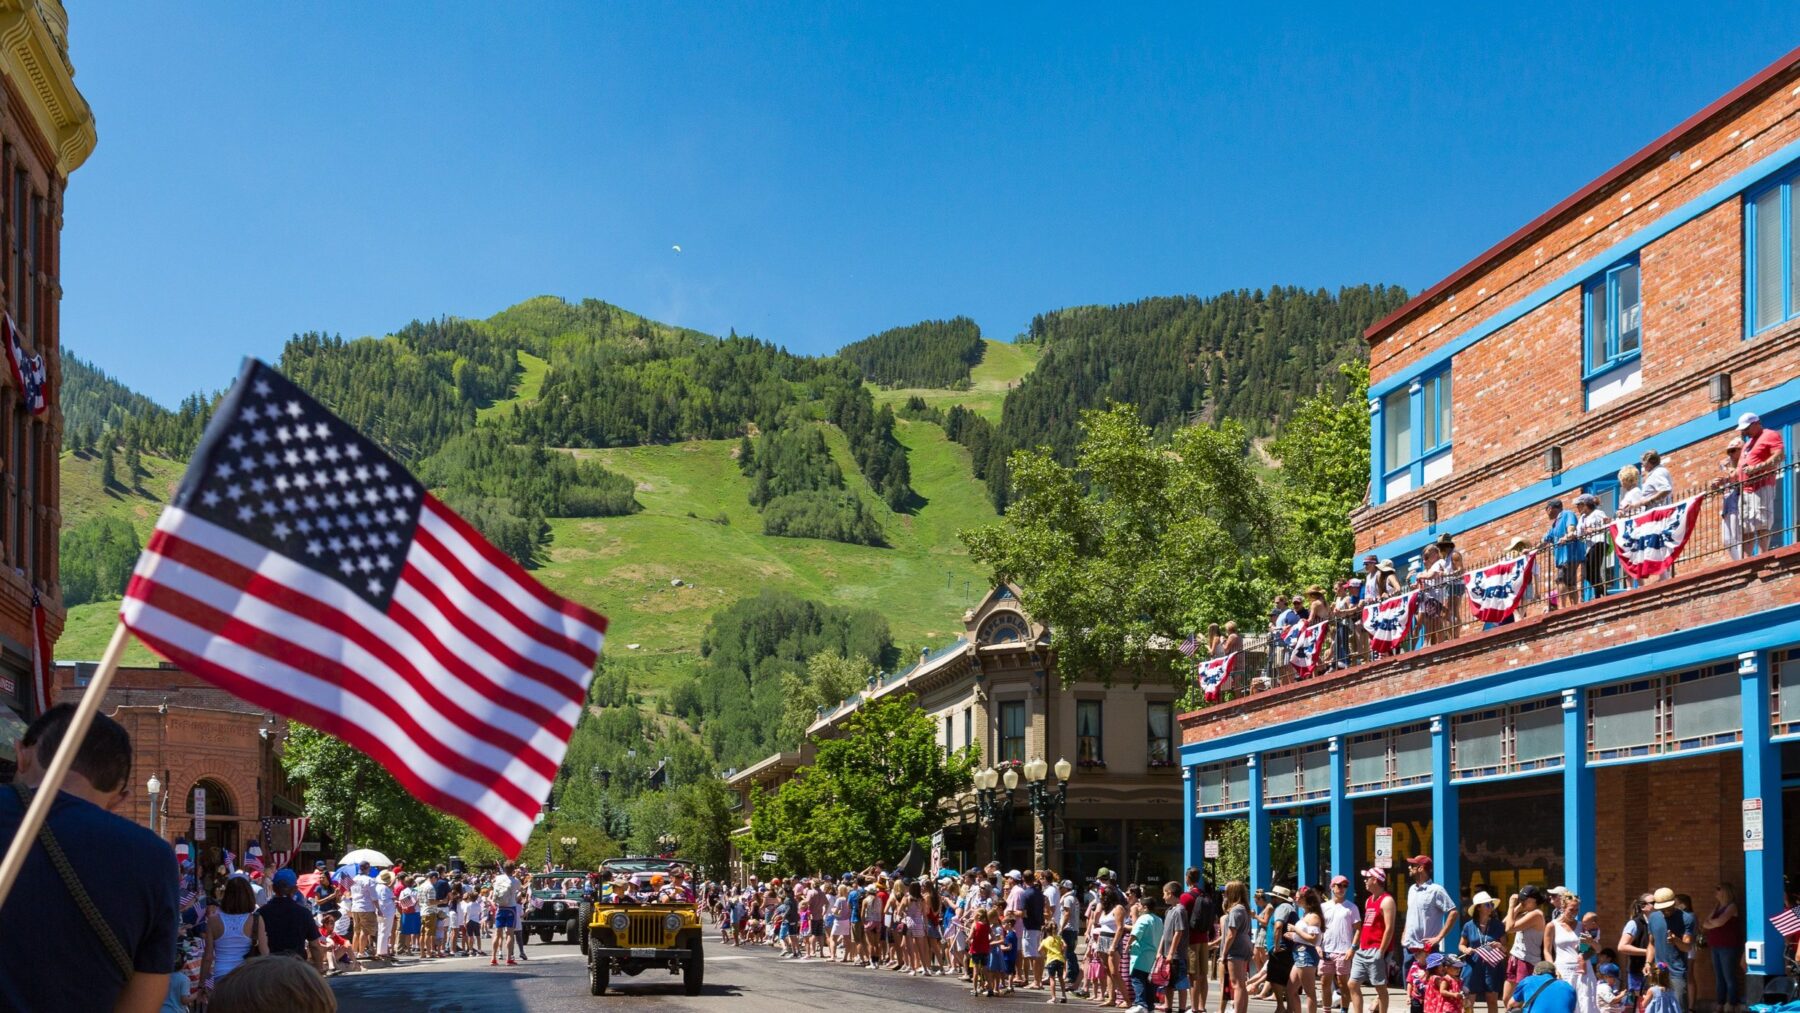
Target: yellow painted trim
[(34, 57)]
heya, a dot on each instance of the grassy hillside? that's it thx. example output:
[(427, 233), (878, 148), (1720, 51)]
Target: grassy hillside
[(698, 527), (83, 498), (530, 381), (1003, 365)]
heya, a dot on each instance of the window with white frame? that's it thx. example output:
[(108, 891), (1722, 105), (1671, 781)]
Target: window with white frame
[(1160, 742), (1437, 412), (1396, 429), (1771, 266)]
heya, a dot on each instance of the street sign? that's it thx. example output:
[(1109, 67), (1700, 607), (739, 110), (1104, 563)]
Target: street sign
[(1384, 847), (1212, 849), (1753, 824), (770, 858), (199, 813), (309, 845)]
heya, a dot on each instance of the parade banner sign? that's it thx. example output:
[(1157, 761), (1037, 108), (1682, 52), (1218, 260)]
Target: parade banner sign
[(1390, 620), (1495, 593), (1648, 543)]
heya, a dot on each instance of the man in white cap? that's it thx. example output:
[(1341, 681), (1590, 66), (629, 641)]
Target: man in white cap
[(1757, 463)]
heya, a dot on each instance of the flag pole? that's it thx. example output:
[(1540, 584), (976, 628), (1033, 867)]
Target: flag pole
[(60, 764)]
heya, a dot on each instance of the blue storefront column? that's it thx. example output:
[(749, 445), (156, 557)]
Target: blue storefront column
[(1306, 835), (1343, 837), (1194, 837), (1446, 833), (1763, 896), (1259, 829), (1578, 797)]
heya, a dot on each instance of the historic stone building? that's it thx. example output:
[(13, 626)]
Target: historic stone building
[(996, 689), (193, 738), (46, 132)]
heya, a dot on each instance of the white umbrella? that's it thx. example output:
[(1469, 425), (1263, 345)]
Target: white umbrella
[(369, 855)]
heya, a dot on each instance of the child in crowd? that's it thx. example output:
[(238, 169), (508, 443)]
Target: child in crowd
[(338, 957), (1443, 986), (1416, 984), (1658, 997), (455, 904), (1010, 947), (1610, 992), (980, 946), (1051, 949)]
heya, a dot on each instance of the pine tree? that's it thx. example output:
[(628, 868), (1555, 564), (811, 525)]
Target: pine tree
[(134, 464), (108, 475)]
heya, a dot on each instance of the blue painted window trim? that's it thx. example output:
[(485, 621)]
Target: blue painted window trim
[(1421, 398), (1782, 190), (1603, 328)]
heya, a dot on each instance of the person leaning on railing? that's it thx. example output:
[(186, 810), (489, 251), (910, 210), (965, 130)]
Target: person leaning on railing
[(1564, 538), (1756, 473), (1594, 535), (1725, 486)]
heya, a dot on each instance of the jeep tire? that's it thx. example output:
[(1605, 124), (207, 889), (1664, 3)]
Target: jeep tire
[(693, 973), (599, 970)]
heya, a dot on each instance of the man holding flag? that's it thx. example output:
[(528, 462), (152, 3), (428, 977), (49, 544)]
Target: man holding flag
[(302, 568)]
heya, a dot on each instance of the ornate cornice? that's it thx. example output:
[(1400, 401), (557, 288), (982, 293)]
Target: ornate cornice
[(34, 56)]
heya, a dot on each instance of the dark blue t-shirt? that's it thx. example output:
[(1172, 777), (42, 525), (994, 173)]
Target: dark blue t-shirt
[(1666, 923), (1558, 997), (50, 958)]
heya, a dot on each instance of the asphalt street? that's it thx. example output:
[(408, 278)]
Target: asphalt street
[(752, 979)]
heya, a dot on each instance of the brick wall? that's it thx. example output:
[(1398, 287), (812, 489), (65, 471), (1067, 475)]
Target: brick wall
[(1519, 391)]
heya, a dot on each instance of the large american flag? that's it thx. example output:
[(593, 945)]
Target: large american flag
[(303, 569)]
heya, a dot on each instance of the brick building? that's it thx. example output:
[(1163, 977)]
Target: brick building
[(193, 738), (1615, 743), (46, 132)]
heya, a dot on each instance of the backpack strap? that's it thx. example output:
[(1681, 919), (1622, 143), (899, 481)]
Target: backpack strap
[(109, 940)]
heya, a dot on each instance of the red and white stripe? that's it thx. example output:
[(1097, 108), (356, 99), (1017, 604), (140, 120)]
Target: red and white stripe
[(466, 689), (42, 685)]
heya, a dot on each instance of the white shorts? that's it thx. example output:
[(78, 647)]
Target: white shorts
[(1029, 941), (1756, 509)]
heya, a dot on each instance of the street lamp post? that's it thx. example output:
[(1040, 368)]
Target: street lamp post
[(994, 806), (568, 846), (668, 843), (1047, 805), (155, 787)]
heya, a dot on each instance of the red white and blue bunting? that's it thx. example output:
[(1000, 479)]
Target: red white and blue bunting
[(1495, 593), (1305, 656), (1213, 674), (1389, 621), (1648, 543), (28, 371)]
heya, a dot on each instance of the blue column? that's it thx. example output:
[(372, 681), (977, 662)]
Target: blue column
[(1377, 460), (1446, 833), (1343, 823), (1259, 828), (1578, 797), (1194, 836), (1763, 895), (1306, 834)]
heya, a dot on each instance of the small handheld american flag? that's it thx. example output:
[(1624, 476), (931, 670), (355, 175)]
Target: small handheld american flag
[(1787, 922), (1490, 953), (303, 569), (1190, 645)]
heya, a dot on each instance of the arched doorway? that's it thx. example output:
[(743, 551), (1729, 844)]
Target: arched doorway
[(221, 822)]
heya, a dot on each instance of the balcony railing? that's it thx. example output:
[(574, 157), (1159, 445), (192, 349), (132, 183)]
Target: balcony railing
[(1443, 614)]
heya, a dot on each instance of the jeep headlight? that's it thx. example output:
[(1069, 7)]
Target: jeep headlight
[(672, 922), (620, 921)]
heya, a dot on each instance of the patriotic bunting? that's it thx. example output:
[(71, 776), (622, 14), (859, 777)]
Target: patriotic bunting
[(1647, 543), (1495, 593), (1305, 655), (1213, 674), (28, 372), (42, 649), (1389, 621)]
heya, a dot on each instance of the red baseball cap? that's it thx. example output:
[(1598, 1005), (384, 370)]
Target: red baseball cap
[(1419, 860)]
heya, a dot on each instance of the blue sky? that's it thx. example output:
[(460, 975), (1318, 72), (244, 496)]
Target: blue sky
[(827, 171)]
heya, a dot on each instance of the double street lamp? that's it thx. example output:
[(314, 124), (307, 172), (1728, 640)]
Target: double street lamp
[(568, 846), (1047, 805), (668, 843), (994, 807)]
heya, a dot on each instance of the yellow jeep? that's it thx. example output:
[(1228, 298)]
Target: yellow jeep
[(633, 929)]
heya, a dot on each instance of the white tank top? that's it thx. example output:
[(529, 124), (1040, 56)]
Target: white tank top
[(1528, 945), (1109, 923), (231, 946)]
